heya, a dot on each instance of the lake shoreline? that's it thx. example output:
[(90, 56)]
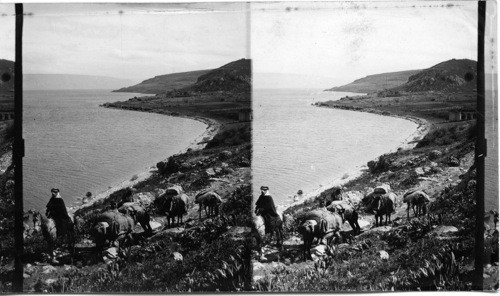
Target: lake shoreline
[(423, 127), (212, 128)]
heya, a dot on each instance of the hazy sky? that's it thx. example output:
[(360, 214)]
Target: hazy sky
[(7, 33), (132, 41), (346, 41), (329, 43)]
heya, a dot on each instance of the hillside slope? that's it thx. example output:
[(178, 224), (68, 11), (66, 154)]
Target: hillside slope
[(235, 76), (163, 83), (377, 82), (7, 72), (452, 75)]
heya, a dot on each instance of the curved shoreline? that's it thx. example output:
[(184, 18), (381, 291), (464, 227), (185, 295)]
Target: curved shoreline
[(423, 127), (213, 126)]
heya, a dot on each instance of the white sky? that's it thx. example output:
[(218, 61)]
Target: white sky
[(7, 32), (139, 43), (334, 42), (346, 41)]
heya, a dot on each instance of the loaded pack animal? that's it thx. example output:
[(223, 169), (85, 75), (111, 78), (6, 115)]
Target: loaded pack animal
[(210, 201), (417, 200), (348, 213), (383, 205), (381, 202), (273, 227), (65, 234), (173, 203), (112, 226), (178, 208), (139, 214), (320, 224)]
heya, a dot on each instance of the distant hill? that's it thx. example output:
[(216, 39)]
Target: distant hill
[(68, 81), (452, 75), (235, 76), (377, 82), (164, 83), (7, 76)]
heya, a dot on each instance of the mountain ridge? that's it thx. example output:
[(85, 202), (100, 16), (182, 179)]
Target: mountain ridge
[(7, 75), (166, 82), (234, 76), (376, 82), (450, 75)]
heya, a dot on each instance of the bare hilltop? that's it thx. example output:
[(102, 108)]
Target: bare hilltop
[(376, 82), (452, 75)]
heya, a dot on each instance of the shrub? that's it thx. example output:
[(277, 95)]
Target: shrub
[(210, 262), (238, 205), (171, 166), (448, 135), (231, 137), (378, 166)]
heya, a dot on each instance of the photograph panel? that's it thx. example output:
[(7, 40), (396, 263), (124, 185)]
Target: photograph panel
[(7, 135), (364, 139), (137, 123)]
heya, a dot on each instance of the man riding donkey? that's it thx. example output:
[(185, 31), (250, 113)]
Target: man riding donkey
[(57, 217), (272, 220)]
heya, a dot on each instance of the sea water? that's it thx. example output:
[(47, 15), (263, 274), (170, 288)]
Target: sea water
[(298, 146), (76, 146)]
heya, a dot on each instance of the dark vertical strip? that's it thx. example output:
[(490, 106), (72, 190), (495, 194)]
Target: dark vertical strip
[(480, 151), (18, 150), (248, 252)]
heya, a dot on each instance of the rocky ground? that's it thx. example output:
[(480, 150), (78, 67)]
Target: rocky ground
[(434, 178), (6, 216)]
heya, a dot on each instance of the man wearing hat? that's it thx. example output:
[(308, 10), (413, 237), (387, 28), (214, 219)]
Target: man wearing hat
[(56, 209), (265, 207)]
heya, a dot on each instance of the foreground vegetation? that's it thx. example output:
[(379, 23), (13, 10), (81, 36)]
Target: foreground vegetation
[(419, 258), (7, 201)]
